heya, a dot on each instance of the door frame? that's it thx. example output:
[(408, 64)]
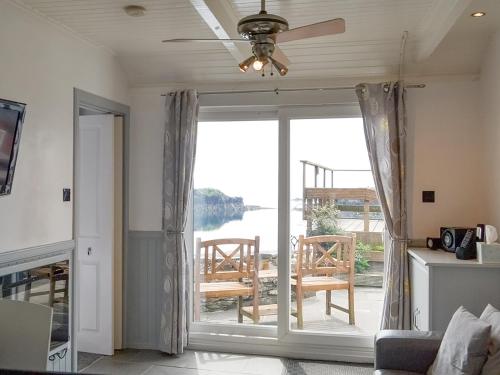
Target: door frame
[(89, 101), (280, 340)]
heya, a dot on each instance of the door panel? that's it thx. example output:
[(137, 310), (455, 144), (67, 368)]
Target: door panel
[(94, 233), (90, 179), (236, 197), (336, 283), (88, 297)]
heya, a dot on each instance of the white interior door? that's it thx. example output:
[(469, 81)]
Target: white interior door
[(94, 234)]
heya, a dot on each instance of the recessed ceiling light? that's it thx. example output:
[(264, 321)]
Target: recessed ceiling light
[(478, 14), (135, 10)]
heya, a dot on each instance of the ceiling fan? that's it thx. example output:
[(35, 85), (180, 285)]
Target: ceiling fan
[(264, 31)]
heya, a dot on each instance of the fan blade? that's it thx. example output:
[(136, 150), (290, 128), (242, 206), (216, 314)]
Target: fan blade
[(181, 40), (335, 26), (280, 56)]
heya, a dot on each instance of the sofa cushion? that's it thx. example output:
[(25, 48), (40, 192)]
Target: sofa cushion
[(464, 347), (412, 351), (492, 316)]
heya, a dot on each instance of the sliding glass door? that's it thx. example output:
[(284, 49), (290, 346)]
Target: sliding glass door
[(287, 238), (235, 222), (336, 228)]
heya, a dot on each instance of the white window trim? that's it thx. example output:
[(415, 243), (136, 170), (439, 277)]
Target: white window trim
[(281, 340)]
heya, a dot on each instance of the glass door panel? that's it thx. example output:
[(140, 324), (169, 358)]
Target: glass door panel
[(235, 223), (336, 251)]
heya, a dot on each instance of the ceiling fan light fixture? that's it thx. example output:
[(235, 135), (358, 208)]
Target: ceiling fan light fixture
[(245, 64), (281, 68), (259, 64)]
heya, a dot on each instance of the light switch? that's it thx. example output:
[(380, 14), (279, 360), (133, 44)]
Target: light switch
[(428, 196), (66, 195)]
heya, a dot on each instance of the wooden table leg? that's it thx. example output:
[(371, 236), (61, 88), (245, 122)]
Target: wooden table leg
[(351, 304), (299, 298), (240, 306), (328, 302)]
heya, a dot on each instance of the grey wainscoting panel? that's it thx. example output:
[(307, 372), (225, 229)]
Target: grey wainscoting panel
[(142, 288)]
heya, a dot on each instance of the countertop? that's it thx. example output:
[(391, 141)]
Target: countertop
[(441, 258)]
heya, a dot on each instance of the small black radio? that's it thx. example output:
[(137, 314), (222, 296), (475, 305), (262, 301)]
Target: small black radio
[(433, 243), (451, 238)]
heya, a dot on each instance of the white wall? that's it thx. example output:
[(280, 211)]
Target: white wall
[(443, 145), (445, 155), (40, 64), (490, 108), (146, 158)]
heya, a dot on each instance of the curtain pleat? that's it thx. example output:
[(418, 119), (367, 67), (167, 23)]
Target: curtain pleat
[(384, 116)]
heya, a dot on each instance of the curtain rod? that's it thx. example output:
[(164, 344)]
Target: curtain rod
[(277, 91)]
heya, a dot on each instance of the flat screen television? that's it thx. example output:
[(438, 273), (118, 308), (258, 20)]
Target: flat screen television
[(11, 122)]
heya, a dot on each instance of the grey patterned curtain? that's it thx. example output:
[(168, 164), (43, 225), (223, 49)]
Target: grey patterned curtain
[(178, 164), (384, 115)]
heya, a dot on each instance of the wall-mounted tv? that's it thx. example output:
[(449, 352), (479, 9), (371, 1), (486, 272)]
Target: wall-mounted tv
[(11, 122)]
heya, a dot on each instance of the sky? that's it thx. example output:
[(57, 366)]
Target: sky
[(240, 158)]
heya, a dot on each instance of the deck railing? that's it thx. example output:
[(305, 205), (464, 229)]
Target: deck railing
[(323, 193)]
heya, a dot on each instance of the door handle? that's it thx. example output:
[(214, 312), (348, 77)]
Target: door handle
[(417, 319), (89, 251)]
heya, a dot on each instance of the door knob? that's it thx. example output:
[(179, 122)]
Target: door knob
[(89, 251)]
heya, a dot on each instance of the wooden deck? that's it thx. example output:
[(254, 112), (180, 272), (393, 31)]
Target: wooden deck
[(357, 225), (364, 194), (324, 193)]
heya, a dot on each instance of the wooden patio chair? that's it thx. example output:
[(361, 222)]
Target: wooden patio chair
[(228, 273), (54, 273), (320, 260)]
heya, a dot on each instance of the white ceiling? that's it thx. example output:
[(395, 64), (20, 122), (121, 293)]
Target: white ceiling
[(370, 46), (462, 48)]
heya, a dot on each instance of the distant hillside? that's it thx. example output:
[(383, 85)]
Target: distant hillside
[(215, 202), (213, 208)]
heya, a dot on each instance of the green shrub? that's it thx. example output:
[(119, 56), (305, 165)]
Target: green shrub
[(324, 220), (361, 264)]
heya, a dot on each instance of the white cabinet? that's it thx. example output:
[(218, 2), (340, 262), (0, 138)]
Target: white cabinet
[(440, 283), (60, 359), (44, 275), (419, 276)]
